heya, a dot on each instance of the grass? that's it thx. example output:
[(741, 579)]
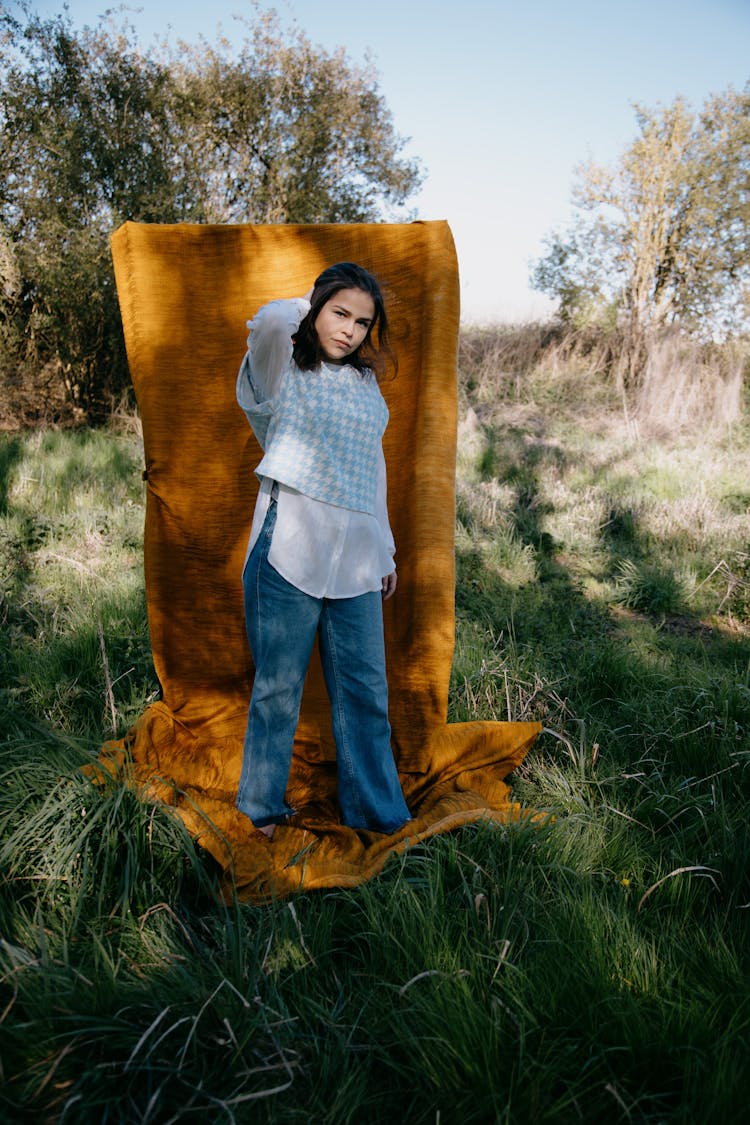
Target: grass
[(594, 969)]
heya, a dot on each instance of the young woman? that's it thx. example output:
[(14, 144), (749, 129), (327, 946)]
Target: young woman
[(320, 556)]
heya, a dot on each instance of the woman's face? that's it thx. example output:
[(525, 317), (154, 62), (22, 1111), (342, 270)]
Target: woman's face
[(343, 322)]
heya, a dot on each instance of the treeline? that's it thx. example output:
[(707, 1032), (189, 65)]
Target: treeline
[(653, 271), (95, 131)]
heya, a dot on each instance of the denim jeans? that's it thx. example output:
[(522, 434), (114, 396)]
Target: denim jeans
[(282, 623)]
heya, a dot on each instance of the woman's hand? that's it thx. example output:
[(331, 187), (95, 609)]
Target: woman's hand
[(389, 586)]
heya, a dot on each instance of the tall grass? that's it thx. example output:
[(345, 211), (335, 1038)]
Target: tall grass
[(593, 969), (683, 384)]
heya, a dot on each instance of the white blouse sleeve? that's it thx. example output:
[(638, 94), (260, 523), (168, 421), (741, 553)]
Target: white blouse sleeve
[(269, 349), (381, 514)]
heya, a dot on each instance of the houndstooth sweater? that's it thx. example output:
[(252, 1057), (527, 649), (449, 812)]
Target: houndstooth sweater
[(321, 435)]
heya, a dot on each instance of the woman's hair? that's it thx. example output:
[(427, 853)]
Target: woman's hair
[(368, 356)]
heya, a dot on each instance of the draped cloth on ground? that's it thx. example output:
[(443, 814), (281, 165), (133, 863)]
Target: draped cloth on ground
[(185, 293)]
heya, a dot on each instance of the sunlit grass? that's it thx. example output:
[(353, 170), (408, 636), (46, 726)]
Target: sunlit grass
[(593, 968)]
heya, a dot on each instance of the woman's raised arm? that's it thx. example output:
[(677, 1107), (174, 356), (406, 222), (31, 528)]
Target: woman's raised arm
[(269, 347)]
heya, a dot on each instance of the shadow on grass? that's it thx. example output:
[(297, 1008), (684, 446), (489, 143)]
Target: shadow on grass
[(54, 673), (11, 451), (646, 682), (525, 967)]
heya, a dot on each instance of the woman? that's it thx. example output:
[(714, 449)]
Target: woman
[(320, 556)]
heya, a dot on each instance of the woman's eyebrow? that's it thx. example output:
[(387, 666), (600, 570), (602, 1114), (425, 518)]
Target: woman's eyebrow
[(343, 308)]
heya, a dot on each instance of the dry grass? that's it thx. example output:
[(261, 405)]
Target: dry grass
[(688, 386), (683, 385)]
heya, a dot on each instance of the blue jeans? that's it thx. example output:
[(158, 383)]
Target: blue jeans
[(282, 622)]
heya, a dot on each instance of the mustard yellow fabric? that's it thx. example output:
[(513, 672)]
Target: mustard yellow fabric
[(185, 293)]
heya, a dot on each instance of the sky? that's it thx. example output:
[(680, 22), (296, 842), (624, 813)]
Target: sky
[(500, 100)]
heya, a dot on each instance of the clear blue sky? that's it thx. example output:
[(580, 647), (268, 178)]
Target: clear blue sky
[(501, 99)]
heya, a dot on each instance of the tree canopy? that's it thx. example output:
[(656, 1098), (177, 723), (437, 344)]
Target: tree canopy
[(94, 131), (663, 236), (289, 131)]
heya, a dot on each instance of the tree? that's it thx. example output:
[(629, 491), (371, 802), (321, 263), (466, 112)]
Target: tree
[(86, 140), (289, 132), (663, 237), (94, 131)]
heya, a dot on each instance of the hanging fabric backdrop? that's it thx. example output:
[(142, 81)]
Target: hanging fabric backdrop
[(185, 293)]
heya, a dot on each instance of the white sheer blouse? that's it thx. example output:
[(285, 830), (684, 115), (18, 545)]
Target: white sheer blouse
[(324, 550)]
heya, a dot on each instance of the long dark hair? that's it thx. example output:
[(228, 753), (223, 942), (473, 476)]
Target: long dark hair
[(369, 356)]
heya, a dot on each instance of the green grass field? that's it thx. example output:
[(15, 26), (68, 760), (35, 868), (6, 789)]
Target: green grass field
[(594, 969)]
